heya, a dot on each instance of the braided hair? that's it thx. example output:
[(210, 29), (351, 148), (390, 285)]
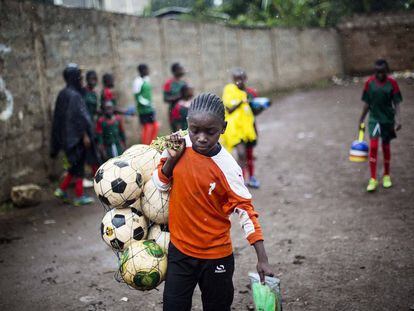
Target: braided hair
[(208, 103)]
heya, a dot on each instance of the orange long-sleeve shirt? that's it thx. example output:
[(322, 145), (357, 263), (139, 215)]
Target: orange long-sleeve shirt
[(205, 191)]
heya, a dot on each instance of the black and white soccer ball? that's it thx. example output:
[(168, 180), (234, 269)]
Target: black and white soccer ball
[(117, 183), (144, 158), (161, 235), (155, 203), (120, 227)]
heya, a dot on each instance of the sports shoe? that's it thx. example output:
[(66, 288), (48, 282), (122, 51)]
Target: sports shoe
[(386, 181), (372, 185), (87, 183), (253, 183), (60, 194), (83, 200)]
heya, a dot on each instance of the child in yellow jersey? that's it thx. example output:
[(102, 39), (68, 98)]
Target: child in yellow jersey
[(239, 117), (207, 186)]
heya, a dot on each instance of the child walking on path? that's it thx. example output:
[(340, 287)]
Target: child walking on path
[(142, 90), (110, 132), (207, 186), (382, 99), (72, 133), (240, 133)]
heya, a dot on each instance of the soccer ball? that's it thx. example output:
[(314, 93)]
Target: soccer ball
[(143, 157), (161, 236), (135, 149), (119, 227), (143, 265), (137, 205), (117, 183), (155, 203)]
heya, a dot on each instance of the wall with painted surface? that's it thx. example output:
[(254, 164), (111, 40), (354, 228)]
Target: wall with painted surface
[(38, 41)]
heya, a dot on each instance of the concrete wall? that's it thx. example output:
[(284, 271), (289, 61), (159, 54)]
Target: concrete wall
[(37, 41), (367, 38)]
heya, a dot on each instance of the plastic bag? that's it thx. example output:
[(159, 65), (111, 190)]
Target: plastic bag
[(266, 297)]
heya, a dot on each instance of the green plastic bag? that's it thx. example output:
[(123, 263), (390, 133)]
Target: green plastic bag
[(266, 297)]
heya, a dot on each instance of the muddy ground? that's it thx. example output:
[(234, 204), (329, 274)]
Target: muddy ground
[(334, 246)]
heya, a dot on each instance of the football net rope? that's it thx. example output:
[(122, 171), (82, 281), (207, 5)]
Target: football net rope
[(129, 157)]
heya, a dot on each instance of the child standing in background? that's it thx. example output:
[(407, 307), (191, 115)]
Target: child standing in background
[(110, 132), (240, 119), (180, 110), (142, 90), (252, 181), (90, 96), (107, 92), (207, 186), (382, 99), (172, 90), (91, 101)]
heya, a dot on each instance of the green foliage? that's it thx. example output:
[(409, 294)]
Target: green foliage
[(296, 13), (304, 13)]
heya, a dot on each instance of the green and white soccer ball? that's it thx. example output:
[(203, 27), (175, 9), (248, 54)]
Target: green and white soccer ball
[(155, 203), (143, 158), (143, 265), (117, 183), (120, 227), (161, 235)]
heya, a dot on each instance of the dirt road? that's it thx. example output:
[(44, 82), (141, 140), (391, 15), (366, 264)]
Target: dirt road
[(334, 246)]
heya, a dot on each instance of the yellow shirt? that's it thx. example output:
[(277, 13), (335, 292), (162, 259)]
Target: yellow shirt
[(240, 123)]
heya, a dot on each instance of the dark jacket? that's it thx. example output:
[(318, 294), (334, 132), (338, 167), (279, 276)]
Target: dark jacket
[(71, 119)]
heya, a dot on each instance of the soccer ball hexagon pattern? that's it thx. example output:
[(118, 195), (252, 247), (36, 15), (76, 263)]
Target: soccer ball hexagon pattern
[(117, 183), (143, 265), (120, 227)]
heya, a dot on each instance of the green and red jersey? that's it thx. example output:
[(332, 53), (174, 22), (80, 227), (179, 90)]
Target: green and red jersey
[(381, 98), (108, 95), (91, 100), (172, 91), (110, 132)]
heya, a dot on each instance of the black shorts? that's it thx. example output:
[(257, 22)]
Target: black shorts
[(76, 157), (147, 118), (214, 277)]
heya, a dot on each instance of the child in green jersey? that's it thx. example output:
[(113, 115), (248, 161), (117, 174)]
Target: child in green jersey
[(382, 99), (142, 90), (110, 132), (90, 96)]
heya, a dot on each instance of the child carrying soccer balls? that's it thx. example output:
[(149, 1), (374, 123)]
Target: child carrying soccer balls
[(382, 99), (207, 186)]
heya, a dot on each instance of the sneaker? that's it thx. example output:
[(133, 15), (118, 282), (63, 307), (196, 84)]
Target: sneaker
[(386, 181), (87, 183), (60, 194), (83, 200), (253, 183), (372, 185)]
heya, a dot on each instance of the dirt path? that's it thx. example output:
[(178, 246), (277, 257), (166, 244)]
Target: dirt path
[(334, 246)]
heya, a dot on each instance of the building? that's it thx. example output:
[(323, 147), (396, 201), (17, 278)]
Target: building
[(133, 7)]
